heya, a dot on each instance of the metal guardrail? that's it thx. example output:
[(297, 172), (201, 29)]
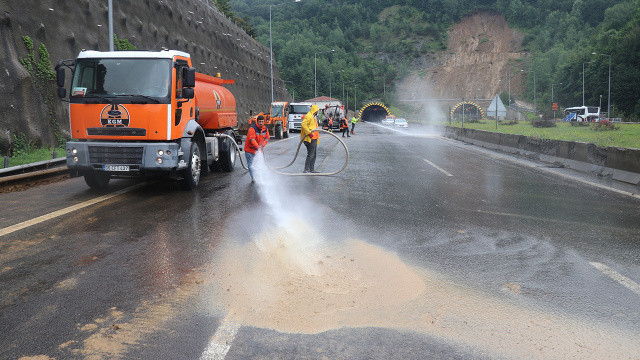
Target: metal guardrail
[(39, 168)]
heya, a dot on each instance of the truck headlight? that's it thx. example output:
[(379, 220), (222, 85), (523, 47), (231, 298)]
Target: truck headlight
[(160, 152), (75, 159), (159, 161), (74, 151)]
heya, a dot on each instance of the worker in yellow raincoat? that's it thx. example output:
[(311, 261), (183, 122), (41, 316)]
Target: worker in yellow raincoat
[(309, 123)]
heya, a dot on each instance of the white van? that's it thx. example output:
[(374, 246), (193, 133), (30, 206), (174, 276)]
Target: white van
[(296, 112)]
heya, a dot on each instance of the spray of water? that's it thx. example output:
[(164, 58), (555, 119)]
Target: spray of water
[(288, 237), (416, 92)]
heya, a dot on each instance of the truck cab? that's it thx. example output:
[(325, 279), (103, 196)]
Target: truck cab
[(296, 112), (140, 113)]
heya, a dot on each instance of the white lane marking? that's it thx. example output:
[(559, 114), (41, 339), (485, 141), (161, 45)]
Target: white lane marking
[(543, 169), (220, 342), (625, 281), (437, 167), (55, 214)]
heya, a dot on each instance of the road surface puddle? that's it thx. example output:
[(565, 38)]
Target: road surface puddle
[(274, 282)]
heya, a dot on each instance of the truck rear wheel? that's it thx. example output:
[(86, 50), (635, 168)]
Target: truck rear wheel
[(191, 175), (228, 158), (97, 180), (278, 131)]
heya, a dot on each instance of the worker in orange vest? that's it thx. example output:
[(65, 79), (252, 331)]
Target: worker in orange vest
[(310, 139), (257, 138), (345, 126)]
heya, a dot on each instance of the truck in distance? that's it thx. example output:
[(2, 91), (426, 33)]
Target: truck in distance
[(143, 113), (277, 121), (296, 112)]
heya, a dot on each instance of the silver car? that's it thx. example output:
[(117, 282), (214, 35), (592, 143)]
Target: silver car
[(401, 123)]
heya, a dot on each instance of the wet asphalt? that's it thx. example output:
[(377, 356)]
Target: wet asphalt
[(134, 262)]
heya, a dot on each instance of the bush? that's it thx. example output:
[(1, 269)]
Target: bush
[(579, 123), (604, 125), (544, 123)]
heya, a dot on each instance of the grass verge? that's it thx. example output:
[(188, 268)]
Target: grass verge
[(625, 136), (34, 155)]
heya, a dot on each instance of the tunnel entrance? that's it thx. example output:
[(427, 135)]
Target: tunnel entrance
[(374, 112), (471, 111)]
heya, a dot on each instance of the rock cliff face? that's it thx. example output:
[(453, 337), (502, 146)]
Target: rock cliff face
[(481, 49), (29, 103)]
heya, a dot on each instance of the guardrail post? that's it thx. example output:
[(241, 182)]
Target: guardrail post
[(6, 162), (54, 155)]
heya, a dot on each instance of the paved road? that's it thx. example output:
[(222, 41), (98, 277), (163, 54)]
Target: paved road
[(423, 247)]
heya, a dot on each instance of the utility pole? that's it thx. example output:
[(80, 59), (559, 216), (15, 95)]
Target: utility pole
[(111, 45)]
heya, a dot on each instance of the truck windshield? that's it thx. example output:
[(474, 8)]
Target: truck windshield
[(276, 110), (122, 77), (300, 109)]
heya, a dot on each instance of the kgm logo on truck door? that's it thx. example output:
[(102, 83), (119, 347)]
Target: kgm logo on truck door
[(114, 115)]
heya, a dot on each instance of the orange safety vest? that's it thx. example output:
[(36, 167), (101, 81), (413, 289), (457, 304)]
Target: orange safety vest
[(256, 138)]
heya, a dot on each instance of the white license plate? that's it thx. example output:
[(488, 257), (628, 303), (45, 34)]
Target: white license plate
[(116, 168)]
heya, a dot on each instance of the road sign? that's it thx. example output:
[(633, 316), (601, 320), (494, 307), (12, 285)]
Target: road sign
[(554, 107)]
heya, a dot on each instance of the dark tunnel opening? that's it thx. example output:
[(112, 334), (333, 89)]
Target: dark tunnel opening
[(374, 113)]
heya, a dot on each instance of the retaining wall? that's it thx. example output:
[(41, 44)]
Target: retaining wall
[(67, 26), (620, 163)]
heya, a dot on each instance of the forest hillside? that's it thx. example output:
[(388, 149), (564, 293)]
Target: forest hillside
[(379, 44)]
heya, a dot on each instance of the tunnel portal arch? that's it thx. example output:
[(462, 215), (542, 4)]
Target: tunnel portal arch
[(373, 112), (472, 111)]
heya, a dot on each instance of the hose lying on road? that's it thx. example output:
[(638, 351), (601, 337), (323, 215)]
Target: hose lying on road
[(275, 170)]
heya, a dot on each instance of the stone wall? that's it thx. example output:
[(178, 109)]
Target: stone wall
[(66, 27)]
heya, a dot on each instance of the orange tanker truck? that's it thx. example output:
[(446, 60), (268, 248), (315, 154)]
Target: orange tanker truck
[(145, 113), (276, 120)]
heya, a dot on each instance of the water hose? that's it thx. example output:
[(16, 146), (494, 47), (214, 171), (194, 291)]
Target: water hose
[(275, 170)]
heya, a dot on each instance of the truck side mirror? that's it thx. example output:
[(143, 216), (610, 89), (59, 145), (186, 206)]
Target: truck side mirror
[(189, 77), (188, 93), (60, 76), (62, 92)]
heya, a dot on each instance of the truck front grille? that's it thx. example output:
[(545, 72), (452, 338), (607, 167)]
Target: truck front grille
[(116, 131), (121, 155)]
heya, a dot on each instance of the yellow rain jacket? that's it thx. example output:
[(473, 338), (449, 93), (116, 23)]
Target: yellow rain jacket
[(309, 124)]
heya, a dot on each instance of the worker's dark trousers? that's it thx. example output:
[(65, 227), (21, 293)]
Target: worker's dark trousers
[(353, 125), (310, 163)]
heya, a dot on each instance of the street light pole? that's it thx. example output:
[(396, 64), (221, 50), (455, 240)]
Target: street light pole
[(271, 42), (583, 80), (554, 112), (534, 92), (315, 71), (292, 89), (111, 46), (608, 96)]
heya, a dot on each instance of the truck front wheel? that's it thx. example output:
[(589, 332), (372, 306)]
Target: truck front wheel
[(278, 131), (97, 180), (191, 175)]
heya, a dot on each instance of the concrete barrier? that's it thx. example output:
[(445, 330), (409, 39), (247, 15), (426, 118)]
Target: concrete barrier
[(621, 164)]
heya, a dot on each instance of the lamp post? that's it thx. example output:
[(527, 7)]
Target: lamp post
[(608, 96), (510, 77), (292, 89), (271, 42), (110, 10), (588, 62), (600, 106), (554, 112), (534, 91), (315, 71)]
